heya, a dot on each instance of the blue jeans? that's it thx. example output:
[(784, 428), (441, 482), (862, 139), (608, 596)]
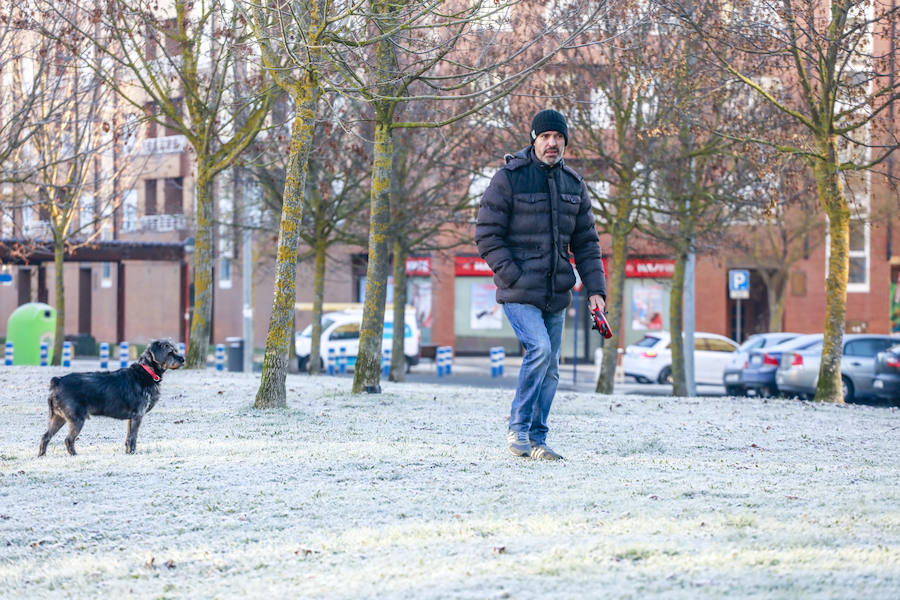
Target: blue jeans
[(541, 334)]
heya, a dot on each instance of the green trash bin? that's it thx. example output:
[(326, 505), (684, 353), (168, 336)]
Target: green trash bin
[(27, 327)]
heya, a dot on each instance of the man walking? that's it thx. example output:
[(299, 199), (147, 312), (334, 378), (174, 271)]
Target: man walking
[(535, 210)]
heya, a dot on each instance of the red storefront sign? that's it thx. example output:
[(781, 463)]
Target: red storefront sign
[(418, 266), (472, 266), (650, 267)]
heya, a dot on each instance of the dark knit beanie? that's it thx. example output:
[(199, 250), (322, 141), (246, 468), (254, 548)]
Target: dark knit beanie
[(549, 120)]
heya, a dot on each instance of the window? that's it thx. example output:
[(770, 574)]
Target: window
[(568, 15), (716, 345), (85, 213), (225, 272), (348, 331), (106, 275), (173, 193), (150, 197), (598, 192), (150, 111), (130, 210), (477, 187), (859, 255), (491, 15), (601, 113), (178, 104), (867, 347)]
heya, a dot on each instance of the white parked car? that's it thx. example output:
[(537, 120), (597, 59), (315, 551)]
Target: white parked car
[(340, 331), (650, 359)]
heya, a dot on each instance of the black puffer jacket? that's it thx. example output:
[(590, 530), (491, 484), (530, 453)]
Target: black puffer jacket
[(531, 215)]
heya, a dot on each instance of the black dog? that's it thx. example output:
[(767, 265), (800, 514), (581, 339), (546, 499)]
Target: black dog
[(128, 393)]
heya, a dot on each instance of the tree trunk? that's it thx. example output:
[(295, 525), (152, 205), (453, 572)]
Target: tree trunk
[(398, 357), (59, 247), (831, 195), (676, 326), (776, 292), (198, 344), (315, 349), (272, 393), (367, 374), (615, 290)]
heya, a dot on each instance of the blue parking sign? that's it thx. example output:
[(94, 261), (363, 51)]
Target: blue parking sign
[(738, 284)]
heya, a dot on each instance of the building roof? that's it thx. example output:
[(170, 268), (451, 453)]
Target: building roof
[(22, 251)]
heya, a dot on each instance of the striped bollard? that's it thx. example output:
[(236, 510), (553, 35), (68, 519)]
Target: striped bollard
[(181, 348), (342, 360), (498, 354), (220, 357), (444, 360), (439, 360), (386, 362), (123, 355), (332, 362), (67, 354), (8, 354), (45, 353), (104, 355)]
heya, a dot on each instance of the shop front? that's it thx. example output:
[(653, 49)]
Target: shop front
[(479, 322)]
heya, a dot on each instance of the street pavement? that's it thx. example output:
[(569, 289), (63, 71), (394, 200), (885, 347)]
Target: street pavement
[(476, 371)]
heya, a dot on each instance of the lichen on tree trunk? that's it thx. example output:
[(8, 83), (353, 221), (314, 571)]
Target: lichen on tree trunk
[(367, 372), (271, 392), (198, 344), (831, 195), (615, 290)]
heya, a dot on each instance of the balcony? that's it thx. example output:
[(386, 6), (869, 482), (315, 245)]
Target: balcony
[(170, 144), (155, 223)]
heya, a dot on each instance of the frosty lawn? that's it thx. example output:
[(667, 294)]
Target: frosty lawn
[(412, 494)]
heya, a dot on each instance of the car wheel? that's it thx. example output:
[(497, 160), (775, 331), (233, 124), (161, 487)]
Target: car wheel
[(847, 389), (302, 362), (665, 376), (734, 390)]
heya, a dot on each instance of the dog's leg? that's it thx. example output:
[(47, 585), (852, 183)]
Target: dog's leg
[(75, 425), (131, 438), (56, 422)]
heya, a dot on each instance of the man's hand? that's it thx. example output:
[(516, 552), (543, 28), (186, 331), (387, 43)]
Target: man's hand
[(597, 302)]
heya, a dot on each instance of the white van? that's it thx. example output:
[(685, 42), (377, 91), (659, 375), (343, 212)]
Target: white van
[(340, 330)]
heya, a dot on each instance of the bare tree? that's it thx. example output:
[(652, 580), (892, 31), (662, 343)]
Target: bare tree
[(61, 156), (840, 89), (23, 67), (430, 209), (175, 66), (291, 45), (697, 178), (405, 53), (333, 206)]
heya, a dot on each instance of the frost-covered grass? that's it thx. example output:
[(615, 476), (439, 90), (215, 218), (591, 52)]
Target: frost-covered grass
[(412, 494)]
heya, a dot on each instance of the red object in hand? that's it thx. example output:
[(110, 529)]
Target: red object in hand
[(601, 324)]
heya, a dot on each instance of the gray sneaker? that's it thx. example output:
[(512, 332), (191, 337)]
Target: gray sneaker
[(544, 452), (518, 443)]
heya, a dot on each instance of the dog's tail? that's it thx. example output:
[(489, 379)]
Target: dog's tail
[(54, 381)]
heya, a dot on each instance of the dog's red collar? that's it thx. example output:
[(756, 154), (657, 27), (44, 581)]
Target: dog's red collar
[(149, 370)]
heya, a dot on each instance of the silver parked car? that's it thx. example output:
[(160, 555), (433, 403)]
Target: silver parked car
[(798, 373)]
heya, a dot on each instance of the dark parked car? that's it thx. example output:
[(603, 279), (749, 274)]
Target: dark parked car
[(758, 374), (733, 378), (887, 375)]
